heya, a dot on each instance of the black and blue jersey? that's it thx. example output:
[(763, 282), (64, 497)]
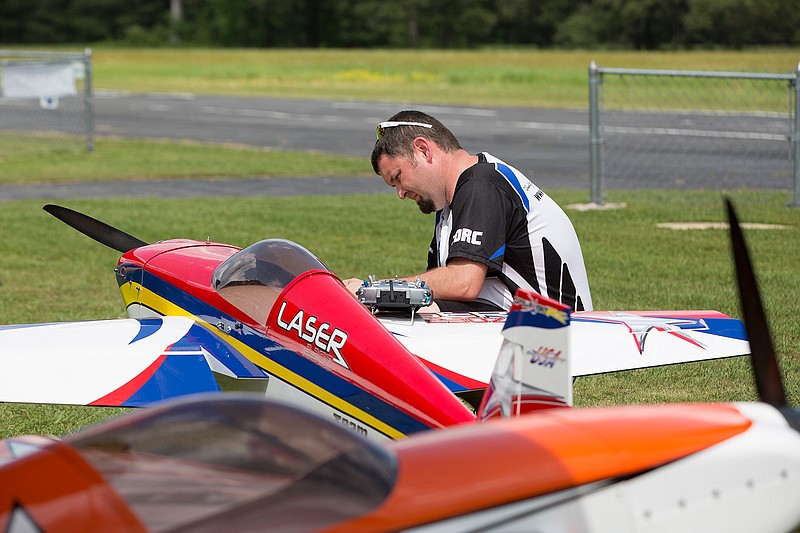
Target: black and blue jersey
[(500, 218)]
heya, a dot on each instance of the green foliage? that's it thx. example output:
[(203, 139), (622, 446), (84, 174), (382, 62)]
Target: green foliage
[(641, 24), (636, 24), (737, 23)]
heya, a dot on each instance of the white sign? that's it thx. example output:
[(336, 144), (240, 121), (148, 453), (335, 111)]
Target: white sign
[(38, 80)]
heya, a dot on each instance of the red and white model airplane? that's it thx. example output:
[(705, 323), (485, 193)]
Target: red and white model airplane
[(272, 318), (249, 464)]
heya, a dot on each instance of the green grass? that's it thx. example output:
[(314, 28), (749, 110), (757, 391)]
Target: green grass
[(31, 159), (493, 76), (52, 273)]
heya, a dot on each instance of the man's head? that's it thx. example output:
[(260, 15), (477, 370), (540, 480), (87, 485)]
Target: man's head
[(395, 156), (397, 141)]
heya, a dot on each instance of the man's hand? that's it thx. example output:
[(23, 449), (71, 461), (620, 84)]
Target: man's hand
[(461, 280), (352, 284)]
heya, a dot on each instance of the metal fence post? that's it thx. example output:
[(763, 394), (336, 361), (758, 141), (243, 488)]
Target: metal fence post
[(595, 141), (89, 98), (796, 139)]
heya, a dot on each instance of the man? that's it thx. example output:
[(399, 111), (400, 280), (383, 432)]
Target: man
[(495, 230)]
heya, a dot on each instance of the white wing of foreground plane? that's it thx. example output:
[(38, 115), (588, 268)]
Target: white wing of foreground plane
[(135, 362), (462, 347), (126, 362)]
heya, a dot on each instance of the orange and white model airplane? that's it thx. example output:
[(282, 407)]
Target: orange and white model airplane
[(248, 464)]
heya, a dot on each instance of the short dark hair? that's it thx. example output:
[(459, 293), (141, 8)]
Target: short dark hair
[(398, 141)]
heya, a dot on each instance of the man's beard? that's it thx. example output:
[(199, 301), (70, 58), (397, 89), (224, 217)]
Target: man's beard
[(426, 206)]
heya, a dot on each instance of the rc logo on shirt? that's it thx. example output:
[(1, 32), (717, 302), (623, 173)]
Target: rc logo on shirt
[(467, 235)]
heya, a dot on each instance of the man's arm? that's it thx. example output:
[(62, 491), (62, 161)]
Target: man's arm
[(461, 280)]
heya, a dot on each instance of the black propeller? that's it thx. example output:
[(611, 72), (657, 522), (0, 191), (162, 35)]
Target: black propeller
[(762, 352), (99, 231)]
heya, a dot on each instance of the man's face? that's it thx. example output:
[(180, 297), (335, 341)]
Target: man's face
[(410, 179)]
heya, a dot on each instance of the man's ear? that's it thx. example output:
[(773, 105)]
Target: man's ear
[(423, 146)]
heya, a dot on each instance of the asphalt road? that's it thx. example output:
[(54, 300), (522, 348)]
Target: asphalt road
[(551, 146)]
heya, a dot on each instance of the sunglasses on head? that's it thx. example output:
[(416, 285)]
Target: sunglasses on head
[(381, 129)]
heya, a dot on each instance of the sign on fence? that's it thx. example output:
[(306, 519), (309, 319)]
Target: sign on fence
[(47, 94)]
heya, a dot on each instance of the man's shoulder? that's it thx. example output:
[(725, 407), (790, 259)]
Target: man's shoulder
[(482, 172), (487, 177)]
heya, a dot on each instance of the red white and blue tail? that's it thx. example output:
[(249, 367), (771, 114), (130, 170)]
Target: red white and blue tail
[(533, 367)]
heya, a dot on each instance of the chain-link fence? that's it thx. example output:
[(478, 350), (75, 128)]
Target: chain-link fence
[(692, 129), (46, 98)]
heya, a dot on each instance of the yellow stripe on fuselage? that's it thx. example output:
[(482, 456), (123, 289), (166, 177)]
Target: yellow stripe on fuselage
[(133, 293)]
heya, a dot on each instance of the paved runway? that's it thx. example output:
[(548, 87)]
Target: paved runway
[(551, 146), (548, 144)]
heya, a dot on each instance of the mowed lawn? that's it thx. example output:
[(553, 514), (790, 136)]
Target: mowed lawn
[(490, 76), (49, 272)]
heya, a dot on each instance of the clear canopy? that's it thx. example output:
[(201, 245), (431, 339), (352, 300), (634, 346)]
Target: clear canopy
[(237, 463), (253, 278)]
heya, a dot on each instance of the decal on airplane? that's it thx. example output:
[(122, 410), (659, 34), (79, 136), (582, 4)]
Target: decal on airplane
[(544, 356), (319, 335)]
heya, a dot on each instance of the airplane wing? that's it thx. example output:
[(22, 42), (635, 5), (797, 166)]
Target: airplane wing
[(124, 362), (612, 341), (461, 348), (135, 362)]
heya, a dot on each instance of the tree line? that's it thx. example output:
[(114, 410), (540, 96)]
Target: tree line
[(626, 24)]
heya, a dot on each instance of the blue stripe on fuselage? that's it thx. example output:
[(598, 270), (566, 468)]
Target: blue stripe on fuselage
[(290, 360)]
